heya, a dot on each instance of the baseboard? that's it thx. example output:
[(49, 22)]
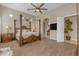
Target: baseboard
[(71, 41)]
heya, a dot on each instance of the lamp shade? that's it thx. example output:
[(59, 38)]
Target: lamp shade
[(6, 27)]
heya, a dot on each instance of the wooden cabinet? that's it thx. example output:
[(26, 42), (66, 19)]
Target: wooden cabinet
[(7, 37)]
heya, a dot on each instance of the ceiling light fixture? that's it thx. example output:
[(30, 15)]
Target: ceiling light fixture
[(37, 10), (10, 15), (23, 18)]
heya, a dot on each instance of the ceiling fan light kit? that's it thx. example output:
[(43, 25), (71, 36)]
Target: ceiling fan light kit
[(37, 8)]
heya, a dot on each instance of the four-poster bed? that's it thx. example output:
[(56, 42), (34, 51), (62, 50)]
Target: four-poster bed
[(23, 36)]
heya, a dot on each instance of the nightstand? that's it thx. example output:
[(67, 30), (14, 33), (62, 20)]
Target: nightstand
[(7, 37)]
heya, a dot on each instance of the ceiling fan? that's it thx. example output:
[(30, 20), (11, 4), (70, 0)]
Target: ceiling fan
[(37, 8)]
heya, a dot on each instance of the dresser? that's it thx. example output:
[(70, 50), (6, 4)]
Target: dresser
[(7, 37)]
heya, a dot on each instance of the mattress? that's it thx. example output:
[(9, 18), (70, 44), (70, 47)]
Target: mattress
[(26, 34)]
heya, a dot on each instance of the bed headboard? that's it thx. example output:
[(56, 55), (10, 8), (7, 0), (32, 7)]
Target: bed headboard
[(24, 27)]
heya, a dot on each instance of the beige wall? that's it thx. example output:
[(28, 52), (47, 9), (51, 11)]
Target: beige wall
[(6, 20), (78, 28), (65, 10)]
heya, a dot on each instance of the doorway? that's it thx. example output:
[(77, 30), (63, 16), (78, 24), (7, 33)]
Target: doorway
[(46, 27)]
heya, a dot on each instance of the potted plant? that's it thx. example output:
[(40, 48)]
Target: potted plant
[(68, 29)]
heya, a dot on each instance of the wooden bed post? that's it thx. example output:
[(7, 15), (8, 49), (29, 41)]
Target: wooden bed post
[(39, 29), (20, 41), (30, 25), (14, 29)]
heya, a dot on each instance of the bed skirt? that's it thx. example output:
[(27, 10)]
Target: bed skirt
[(30, 39)]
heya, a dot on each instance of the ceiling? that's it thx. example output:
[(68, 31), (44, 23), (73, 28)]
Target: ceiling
[(24, 6)]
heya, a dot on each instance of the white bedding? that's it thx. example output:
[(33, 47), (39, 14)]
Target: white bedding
[(26, 34), (6, 51)]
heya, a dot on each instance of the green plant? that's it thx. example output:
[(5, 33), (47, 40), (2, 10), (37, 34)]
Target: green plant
[(68, 28)]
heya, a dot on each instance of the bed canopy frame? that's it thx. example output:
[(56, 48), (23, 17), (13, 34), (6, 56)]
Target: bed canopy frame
[(24, 27)]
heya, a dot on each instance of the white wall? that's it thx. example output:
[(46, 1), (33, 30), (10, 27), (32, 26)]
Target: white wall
[(73, 34)]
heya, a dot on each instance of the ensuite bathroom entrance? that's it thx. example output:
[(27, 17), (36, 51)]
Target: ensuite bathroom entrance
[(46, 28)]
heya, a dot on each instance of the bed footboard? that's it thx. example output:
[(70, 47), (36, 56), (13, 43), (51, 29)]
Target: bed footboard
[(31, 38)]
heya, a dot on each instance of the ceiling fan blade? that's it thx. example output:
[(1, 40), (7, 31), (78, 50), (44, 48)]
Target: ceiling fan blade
[(34, 11), (43, 9), (40, 11), (27, 19), (33, 5), (41, 5), (31, 9)]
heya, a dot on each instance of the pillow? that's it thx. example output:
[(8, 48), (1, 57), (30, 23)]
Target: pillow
[(24, 30)]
